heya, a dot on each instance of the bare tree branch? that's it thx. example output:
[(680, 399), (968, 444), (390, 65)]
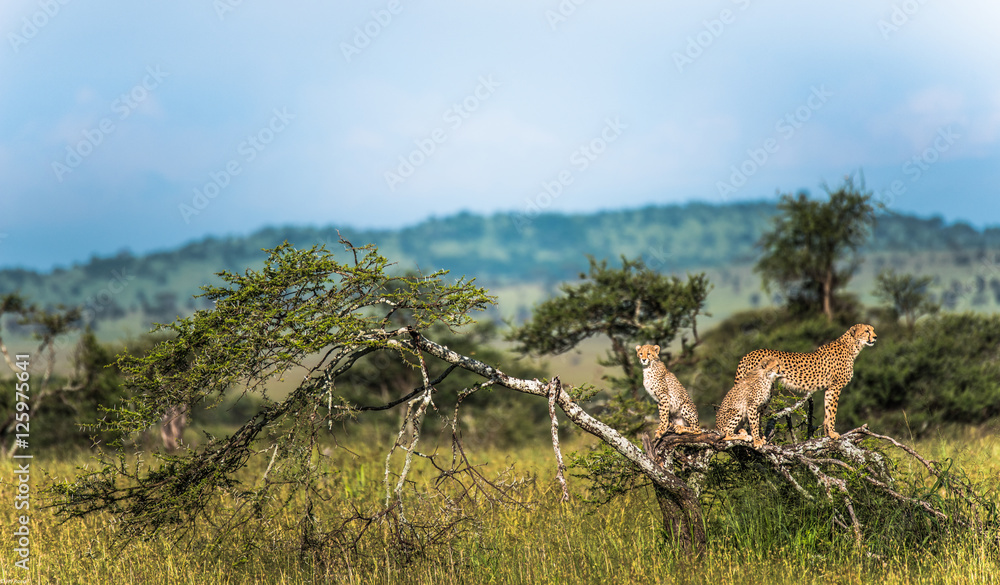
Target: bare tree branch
[(554, 387)]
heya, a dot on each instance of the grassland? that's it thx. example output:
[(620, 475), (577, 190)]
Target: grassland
[(546, 541)]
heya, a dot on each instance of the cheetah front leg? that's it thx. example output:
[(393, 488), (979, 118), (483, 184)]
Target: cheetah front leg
[(685, 418), (740, 436), (687, 430), (667, 427), (758, 440), (682, 421), (686, 421), (830, 399)]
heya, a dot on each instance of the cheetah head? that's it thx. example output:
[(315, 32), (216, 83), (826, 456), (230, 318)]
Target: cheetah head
[(771, 367), (864, 334), (647, 353)]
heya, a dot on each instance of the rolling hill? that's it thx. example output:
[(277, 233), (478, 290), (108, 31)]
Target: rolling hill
[(522, 259)]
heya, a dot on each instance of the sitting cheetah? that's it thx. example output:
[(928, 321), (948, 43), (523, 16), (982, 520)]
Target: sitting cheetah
[(830, 367), (747, 401), (677, 413)]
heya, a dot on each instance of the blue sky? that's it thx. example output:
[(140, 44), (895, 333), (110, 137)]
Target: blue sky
[(145, 125)]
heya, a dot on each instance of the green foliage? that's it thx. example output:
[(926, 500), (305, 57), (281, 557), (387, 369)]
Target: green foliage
[(754, 504), (303, 315), (811, 251), (64, 402), (608, 474), (59, 401), (268, 322), (757, 515), (946, 373), (906, 295), (631, 305)]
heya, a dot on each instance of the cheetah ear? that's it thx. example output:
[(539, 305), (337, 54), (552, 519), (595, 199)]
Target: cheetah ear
[(656, 349), (638, 347)]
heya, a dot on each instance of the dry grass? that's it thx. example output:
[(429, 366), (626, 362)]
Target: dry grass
[(550, 542)]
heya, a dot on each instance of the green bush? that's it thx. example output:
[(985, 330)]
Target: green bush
[(947, 373)]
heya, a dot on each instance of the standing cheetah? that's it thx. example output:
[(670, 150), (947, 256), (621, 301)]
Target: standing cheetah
[(747, 401), (830, 367), (677, 413)]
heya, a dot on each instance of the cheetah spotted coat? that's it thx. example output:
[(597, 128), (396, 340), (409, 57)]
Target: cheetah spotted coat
[(677, 412), (830, 367), (747, 401)]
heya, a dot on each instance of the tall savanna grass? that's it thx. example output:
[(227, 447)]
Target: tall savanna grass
[(754, 538)]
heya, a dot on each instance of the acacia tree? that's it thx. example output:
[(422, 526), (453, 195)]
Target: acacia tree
[(906, 295), (307, 317), (811, 251), (52, 396), (627, 305)]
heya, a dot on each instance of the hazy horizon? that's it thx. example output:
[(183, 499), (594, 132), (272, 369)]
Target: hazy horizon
[(513, 216)]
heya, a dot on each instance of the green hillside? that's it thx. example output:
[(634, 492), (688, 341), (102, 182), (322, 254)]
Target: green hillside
[(523, 260)]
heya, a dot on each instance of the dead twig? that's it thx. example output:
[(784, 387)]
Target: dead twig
[(555, 387)]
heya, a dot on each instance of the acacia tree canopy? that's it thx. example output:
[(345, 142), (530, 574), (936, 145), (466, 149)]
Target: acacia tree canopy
[(629, 304), (303, 314), (906, 295), (811, 252)]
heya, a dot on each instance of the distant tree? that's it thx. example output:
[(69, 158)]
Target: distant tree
[(629, 305), (906, 295), (811, 252), (56, 403)]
